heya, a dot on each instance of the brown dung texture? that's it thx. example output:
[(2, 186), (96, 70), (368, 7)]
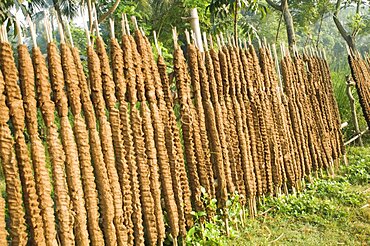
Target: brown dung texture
[(115, 127), (214, 125), (105, 138), (81, 134), (17, 223), (43, 185), (187, 120), (142, 199), (152, 80), (218, 98), (55, 148), (151, 151), (70, 147), (175, 153), (3, 232), (101, 173), (126, 141), (205, 171), (17, 116)]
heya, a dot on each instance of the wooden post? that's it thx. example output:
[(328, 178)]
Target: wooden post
[(353, 109), (194, 22)]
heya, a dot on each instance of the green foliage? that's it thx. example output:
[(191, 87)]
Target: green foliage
[(358, 173), (328, 211), (211, 231), (79, 39), (336, 190), (356, 22), (4, 9), (300, 205), (224, 13)]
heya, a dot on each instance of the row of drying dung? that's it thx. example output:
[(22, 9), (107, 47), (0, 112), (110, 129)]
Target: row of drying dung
[(248, 132), (123, 170), (360, 69), (114, 175)]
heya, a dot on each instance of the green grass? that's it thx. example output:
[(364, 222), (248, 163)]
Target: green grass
[(328, 212)]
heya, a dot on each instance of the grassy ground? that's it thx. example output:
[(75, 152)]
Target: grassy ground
[(329, 212)]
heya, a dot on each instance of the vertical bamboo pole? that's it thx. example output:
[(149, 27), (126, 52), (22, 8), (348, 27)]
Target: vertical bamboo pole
[(194, 22)]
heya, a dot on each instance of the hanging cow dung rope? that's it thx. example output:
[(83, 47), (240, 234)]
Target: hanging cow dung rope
[(317, 118), (175, 153), (142, 197), (239, 81), (213, 98), (100, 169), (69, 145), (252, 105), (81, 134), (112, 140), (362, 82), (302, 112), (57, 156), (242, 94), (205, 171), (183, 90), (105, 138), (244, 139), (288, 70), (264, 119), (248, 93), (17, 116), (325, 131), (151, 77), (334, 106), (120, 82), (331, 149), (275, 149), (154, 221), (43, 185), (281, 146), (217, 93), (17, 224)]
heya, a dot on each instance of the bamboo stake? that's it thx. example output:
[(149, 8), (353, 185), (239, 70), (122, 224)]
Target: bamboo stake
[(69, 34)]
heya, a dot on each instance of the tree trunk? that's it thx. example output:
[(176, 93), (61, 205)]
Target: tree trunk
[(59, 13), (284, 9), (109, 12), (288, 23), (278, 29), (350, 39)]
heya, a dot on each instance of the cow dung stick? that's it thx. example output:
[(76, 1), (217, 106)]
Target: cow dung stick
[(68, 140), (17, 222), (14, 100), (38, 155)]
